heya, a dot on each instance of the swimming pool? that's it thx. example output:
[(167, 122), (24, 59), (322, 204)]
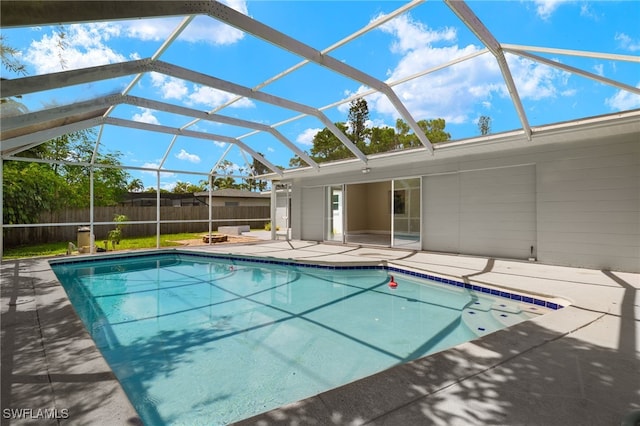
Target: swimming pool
[(200, 339)]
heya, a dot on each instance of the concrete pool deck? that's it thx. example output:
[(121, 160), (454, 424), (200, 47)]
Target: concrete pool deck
[(577, 365)]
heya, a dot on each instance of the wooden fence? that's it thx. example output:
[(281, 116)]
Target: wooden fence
[(254, 216)]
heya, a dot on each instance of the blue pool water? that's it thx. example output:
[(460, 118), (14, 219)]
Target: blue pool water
[(200, 340)]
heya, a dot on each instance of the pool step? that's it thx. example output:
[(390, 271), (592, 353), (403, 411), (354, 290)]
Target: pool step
[(480, 305), (506, 318), (506, 307), (486, 316), (480, 322), (489, 305)]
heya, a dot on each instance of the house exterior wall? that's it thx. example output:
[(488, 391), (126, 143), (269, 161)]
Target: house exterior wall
[(312, 212), (489, 212), (580, 201), (242, 202), (441, 218), (295, 221)]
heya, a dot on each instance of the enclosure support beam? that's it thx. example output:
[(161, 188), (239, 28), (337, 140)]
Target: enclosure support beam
[(190, 133), (227, 86), (274, 187), (577, 71), (465, 14), (92, 233), (210, 209), (247, 24), (158, 210)]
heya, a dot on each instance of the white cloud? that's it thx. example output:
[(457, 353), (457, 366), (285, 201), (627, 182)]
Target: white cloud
[(168, 186), (451, 93), (145, 116), (454, 93), (588, 12), (536, 81), (184, 155), (627, 43), (269, 149), (202, 29), (545, 8), (85, 45), (76, 46), (150, 29), (155, 165), (208, 30), (170, 87), (376, 123), (411, 35), (599, 69), (306, 137), (210, 97), (191, 94), (623, 100)]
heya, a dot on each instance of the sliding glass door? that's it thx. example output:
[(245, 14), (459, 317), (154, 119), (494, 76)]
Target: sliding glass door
[(384, 213), (334, 213), (406, 209)]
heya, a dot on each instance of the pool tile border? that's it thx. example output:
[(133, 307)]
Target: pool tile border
[(516, 297)]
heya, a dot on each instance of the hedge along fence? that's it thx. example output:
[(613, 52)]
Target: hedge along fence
[(254, 216)]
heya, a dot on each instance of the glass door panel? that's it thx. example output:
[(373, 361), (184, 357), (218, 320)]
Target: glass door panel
[(334, 213), (406, 211), (283, 209)]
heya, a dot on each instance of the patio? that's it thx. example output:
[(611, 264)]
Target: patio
[(577, 365)]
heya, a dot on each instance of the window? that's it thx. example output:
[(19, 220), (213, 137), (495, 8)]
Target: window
[(399, 201)]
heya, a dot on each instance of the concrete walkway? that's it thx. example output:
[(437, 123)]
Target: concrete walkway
[(578, 365)]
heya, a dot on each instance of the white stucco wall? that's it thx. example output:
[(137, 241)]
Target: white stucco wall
[(579, 202), (312, 214), (486, 212)]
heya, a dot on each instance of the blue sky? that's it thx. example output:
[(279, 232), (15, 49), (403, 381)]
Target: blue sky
[(425, 37)]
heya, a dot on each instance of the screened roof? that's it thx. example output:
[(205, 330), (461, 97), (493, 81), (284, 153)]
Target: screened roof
[(183, 86)]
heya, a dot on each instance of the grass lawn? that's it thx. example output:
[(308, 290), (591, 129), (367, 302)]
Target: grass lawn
[(53, 249)]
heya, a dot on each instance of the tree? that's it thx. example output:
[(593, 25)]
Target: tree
[(31, 188), (484, 124), (382, 139), (434, 130), (109, 183), (296, 161), (10, 107), (135, 185), (327, 146), (28, 190), (225, 167), (357, 119), (256, 169), (8, 56), (189, 188)]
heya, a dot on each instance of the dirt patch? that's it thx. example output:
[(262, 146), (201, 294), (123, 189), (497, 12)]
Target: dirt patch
[(231, 239)]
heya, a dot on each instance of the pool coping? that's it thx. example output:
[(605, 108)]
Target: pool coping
[(397, 395), (543, 301)]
